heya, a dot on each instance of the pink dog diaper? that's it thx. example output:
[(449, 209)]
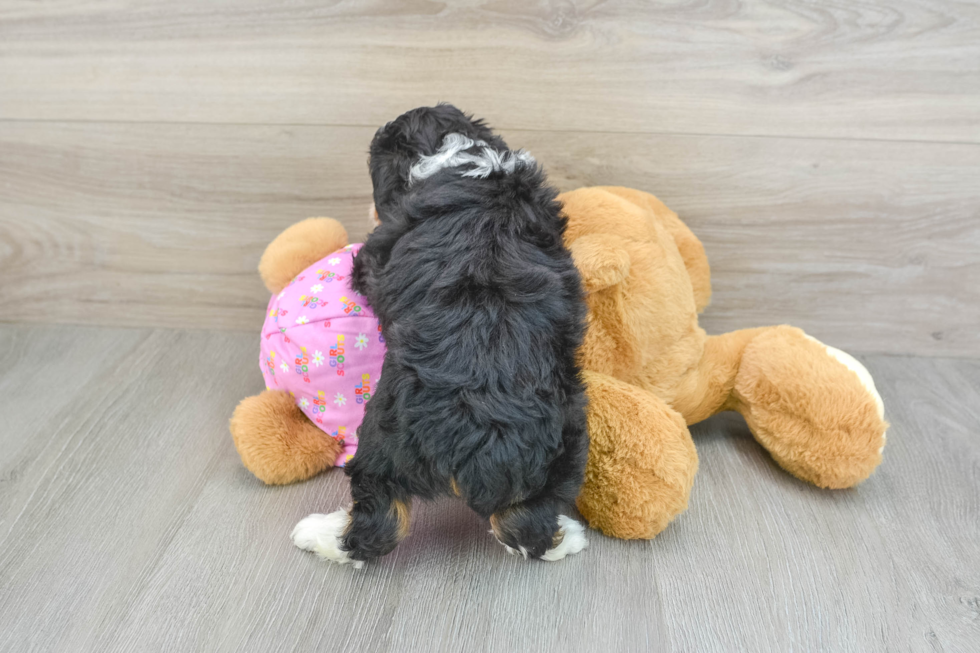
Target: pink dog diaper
[(322, 344)]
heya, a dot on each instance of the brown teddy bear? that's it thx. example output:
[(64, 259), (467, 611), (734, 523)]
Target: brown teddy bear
[(650, 371)]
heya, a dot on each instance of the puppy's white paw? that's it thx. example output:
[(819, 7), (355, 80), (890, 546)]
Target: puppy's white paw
[(322, 535), (572, 541)]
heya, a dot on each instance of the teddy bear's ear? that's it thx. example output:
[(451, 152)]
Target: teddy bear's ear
[(601, 259), (297, 248)]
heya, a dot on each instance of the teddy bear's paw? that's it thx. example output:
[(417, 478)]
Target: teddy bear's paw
[(863, 375), (322, 535), (573, 540)]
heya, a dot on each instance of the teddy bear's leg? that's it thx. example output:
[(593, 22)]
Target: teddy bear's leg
[(641, 460), (814, 408), (277, 442)]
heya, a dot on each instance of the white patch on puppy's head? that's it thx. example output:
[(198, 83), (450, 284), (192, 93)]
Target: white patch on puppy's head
[(453, 154)]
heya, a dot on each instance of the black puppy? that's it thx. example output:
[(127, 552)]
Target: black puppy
[(482, 311)]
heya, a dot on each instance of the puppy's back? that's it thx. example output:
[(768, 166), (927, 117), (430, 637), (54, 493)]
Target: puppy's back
[(482, 310)]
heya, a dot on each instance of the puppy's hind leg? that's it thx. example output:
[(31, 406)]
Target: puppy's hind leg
[(535, 529), (375, 524)]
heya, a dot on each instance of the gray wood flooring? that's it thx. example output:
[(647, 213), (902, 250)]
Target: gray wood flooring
[(128, 524)]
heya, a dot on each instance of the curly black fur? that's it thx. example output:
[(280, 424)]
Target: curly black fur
[(482, 311)]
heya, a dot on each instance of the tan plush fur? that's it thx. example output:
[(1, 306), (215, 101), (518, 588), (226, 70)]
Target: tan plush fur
[(277, 442), (781, 367), (297, 248), (650, 371), (641, 460)]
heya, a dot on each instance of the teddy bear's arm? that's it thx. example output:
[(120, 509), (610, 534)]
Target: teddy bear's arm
[(601, 259), (641, 460), (691, 249)]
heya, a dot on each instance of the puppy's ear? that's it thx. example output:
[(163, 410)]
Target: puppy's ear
[(601, 259)]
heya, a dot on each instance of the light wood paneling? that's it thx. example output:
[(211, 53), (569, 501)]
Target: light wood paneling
[(873, 246), (127, 523), (162, 224), (885, 69)]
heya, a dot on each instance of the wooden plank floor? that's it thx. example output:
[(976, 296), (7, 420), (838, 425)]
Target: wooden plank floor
[(128, 524)]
